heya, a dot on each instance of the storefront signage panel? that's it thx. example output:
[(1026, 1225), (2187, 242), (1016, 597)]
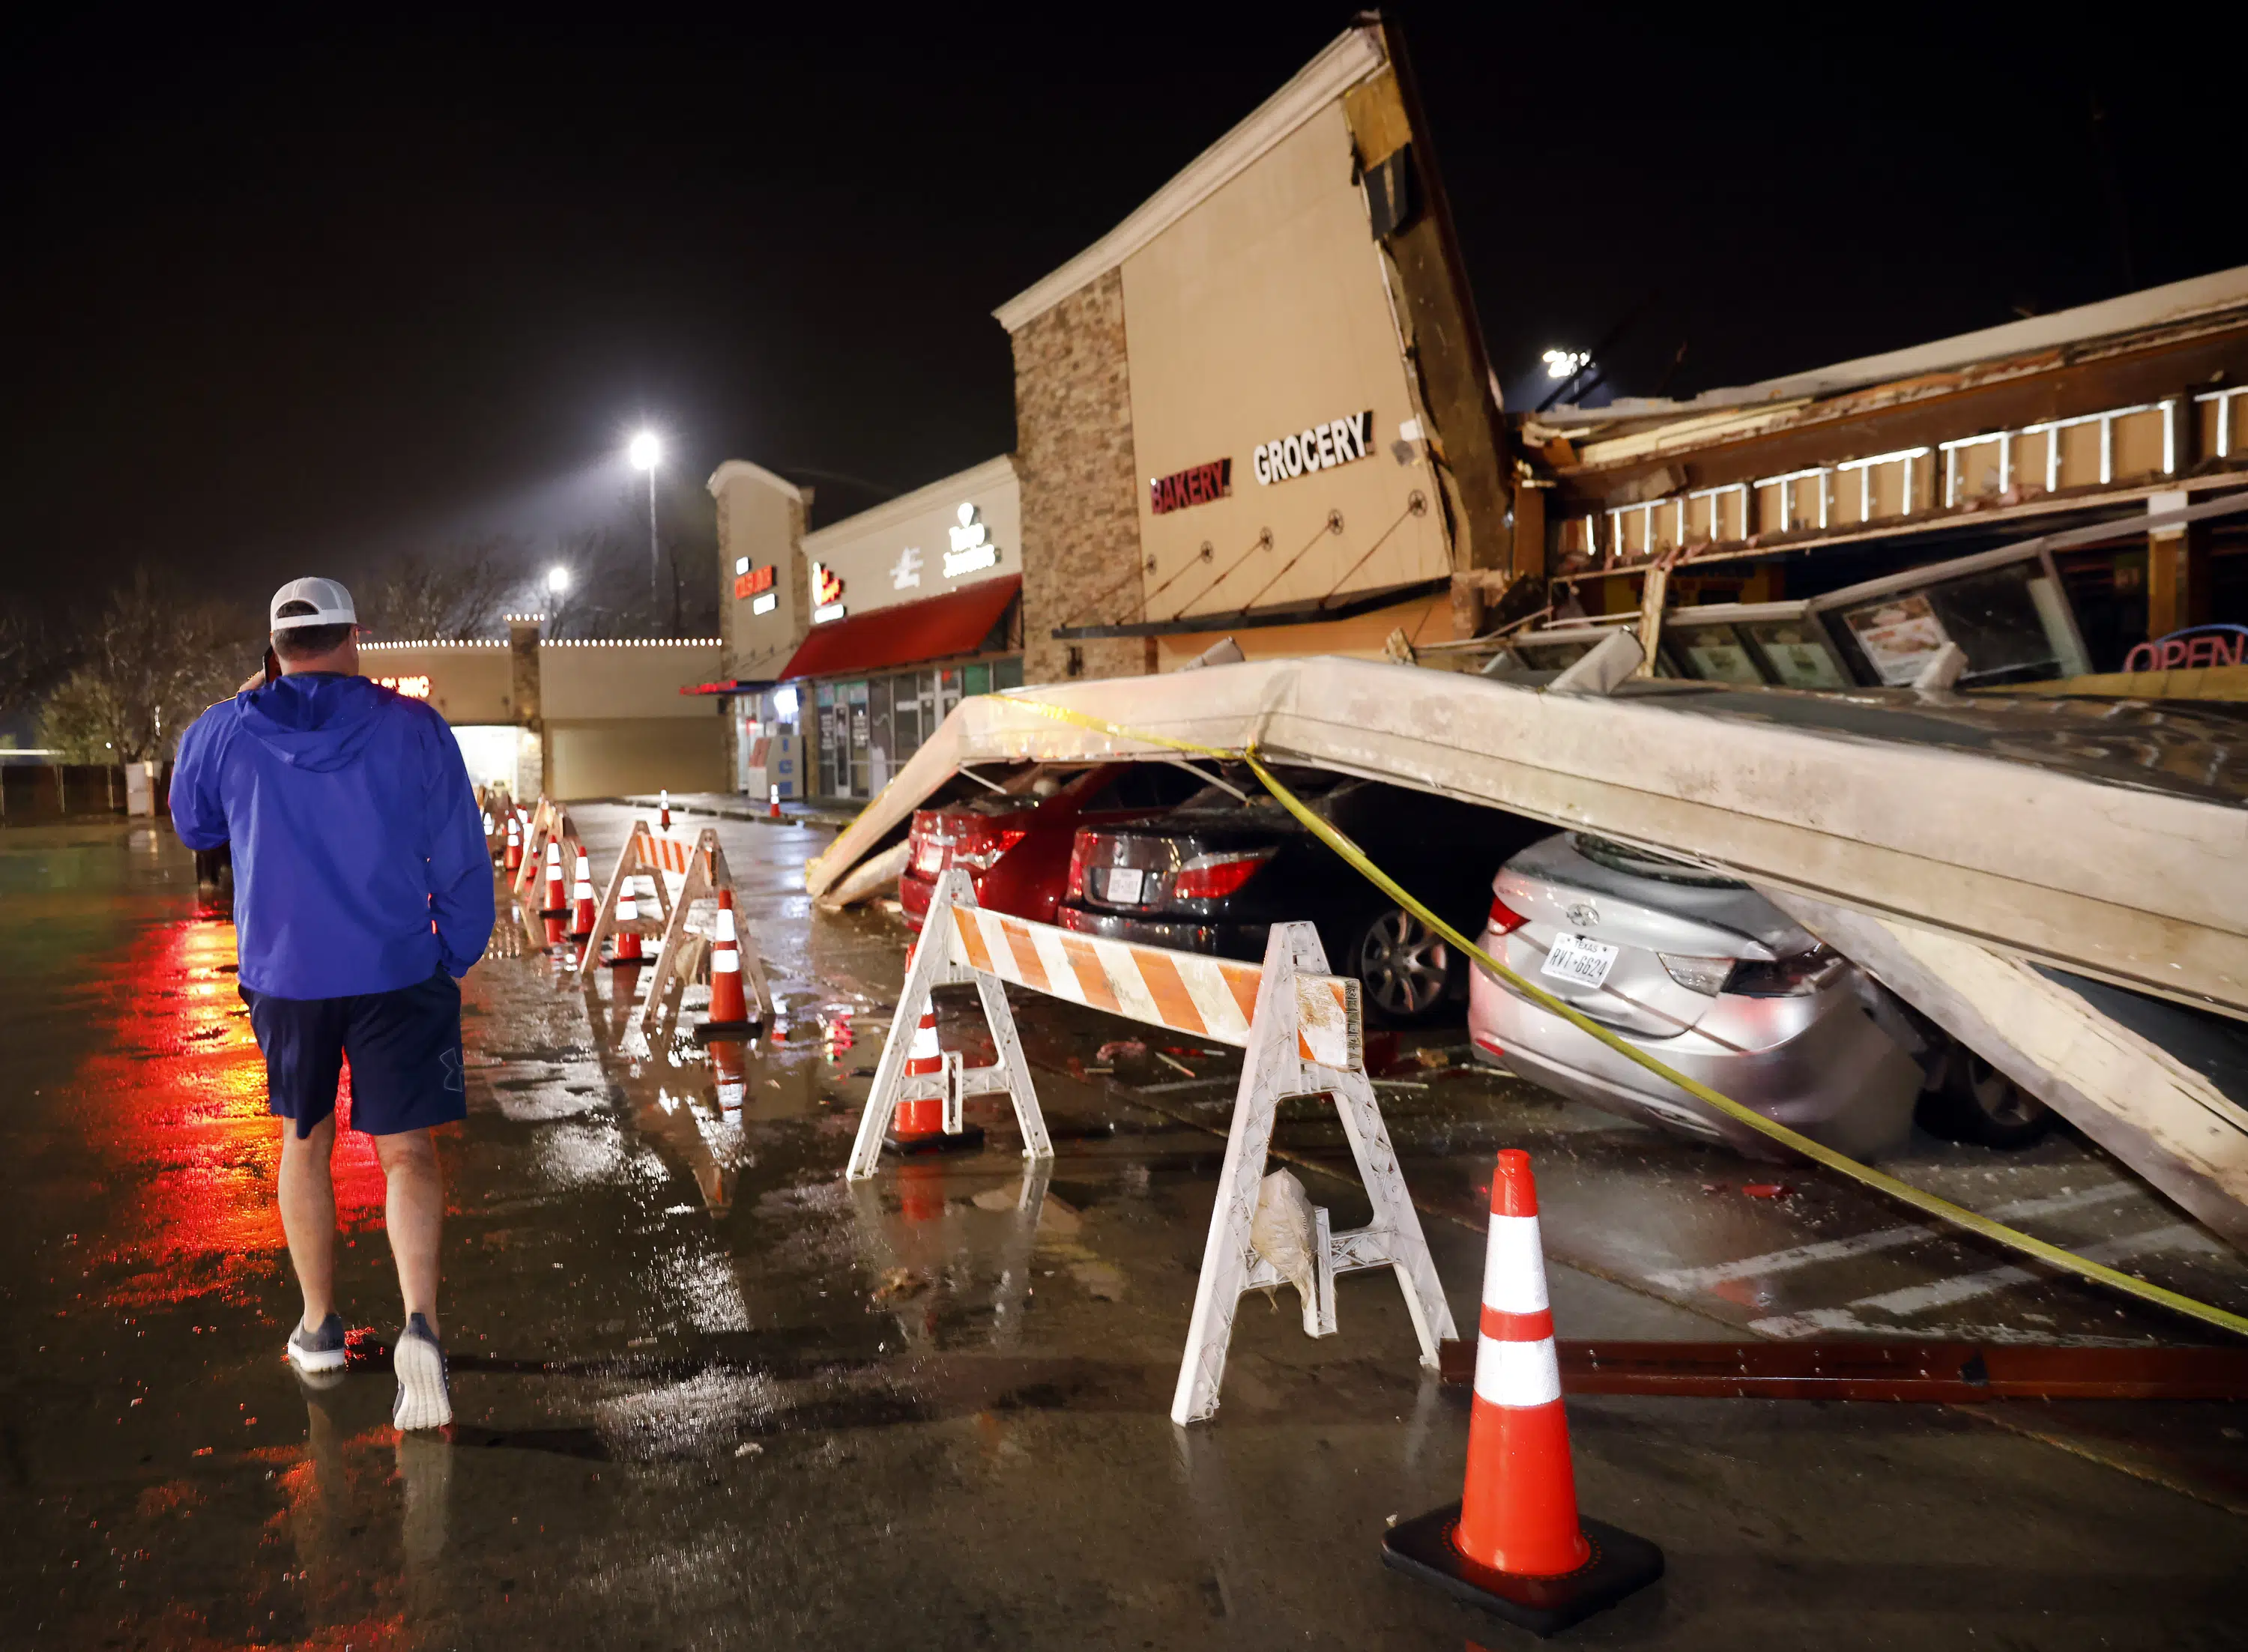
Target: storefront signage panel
[(749, 581), (1196, 485), (1320, 447), (972, 550), (827, 594)]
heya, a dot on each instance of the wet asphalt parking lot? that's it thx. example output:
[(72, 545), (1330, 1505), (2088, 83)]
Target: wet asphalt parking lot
[(709, 1396)]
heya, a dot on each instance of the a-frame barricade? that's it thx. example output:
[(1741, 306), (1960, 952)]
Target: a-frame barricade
[(1301, 1030), (549, 823), (534, 846), (647, 853), (685, 947)]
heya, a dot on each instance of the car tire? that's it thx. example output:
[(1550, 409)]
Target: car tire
[(1972, 1100), (1404, 966)]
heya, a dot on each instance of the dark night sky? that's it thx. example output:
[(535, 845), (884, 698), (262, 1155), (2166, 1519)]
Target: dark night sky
[(279, 299)]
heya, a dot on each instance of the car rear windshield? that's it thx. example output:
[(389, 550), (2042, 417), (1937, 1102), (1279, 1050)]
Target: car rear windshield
[(1646, 863)]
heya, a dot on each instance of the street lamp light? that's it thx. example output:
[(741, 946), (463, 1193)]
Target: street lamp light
[(557, 579), (646, 452)]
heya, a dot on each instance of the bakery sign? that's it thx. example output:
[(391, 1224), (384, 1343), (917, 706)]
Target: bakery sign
[(1196, 485), (1320, 447)]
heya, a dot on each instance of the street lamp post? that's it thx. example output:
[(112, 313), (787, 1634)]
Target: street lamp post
[(645, 453)]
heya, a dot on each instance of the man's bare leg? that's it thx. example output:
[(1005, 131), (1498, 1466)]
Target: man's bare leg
[(307, 1198), (414, 1211)]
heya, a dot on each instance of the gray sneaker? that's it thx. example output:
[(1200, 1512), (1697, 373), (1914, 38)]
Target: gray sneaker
[(423, 1399), (320, 1349)]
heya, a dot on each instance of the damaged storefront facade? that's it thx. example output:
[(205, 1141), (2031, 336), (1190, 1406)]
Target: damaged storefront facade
[(1259, 407), (2112, 437)]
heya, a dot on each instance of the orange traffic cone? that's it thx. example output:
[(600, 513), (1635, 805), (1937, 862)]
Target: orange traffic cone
[(558, 897), (923, 1116), (514, 843), (1514, 1544), (775, 814), (663, 810), (732, 1065), (729, 1010), (582, 915), (626, 950), (918, 1125)]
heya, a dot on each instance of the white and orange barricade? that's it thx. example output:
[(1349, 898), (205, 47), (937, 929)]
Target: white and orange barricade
[(653, 867), (686, 919), (1302, 1031), (550, 825)]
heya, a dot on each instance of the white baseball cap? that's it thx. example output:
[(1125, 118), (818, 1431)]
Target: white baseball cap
[(330, 605)]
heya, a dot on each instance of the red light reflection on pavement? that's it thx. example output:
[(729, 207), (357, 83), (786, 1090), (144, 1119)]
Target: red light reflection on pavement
[(175, 1103)]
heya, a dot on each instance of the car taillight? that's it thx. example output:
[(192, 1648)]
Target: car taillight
[(1212, 877), (1796, 975), (980, 847), (1076, 847), (1504, 918)]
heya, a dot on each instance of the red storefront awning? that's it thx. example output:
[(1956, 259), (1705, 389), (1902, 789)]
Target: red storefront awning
[(934, 628)]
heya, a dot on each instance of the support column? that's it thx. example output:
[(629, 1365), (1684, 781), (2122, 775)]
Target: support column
[(2178, 571), (523, 694)]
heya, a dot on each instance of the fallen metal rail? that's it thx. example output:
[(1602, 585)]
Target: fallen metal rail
[(1943, 1373)]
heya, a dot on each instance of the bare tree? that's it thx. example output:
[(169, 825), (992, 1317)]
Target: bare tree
[(458, 594), (148, 662), (27, 657)]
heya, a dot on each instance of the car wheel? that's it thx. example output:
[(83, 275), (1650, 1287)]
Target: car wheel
[(1403, 965), (1972, 1100)]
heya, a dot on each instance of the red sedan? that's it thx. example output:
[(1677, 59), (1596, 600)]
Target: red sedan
[(1015, 844)]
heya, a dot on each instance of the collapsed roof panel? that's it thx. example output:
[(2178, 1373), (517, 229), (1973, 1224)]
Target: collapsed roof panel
[(2111, 841)]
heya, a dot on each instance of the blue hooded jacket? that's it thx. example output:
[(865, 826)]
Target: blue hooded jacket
[(353, 825)]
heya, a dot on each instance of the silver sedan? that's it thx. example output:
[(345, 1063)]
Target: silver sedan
[(1703, 972)]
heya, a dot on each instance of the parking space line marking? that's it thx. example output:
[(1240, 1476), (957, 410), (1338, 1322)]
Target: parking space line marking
[(1965, 1287), (1804, 1256), (1942, 1293)]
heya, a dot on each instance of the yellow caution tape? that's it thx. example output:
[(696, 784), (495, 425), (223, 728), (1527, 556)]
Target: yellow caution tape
[(1918, 1198)]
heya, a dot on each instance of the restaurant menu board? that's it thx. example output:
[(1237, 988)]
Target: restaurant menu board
[(1899, 636)]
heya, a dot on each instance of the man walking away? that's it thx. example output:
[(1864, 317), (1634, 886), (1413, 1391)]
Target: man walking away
[(363, 891)]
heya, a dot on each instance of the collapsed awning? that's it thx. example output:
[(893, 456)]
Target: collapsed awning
[(934, 628)]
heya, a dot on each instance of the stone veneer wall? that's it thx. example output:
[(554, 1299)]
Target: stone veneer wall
[(1080, 497)]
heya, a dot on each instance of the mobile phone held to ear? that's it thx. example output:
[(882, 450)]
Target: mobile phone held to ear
[(273, 663)]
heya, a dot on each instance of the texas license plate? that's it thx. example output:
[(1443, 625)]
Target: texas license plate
[(1125, 884), (1575, 958)]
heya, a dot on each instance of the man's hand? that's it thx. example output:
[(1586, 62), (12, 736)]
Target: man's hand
[(254, 680)]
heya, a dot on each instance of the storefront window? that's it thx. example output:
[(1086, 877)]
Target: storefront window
[(974, 678), (854, 696)]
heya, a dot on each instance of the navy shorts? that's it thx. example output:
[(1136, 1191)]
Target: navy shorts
[(405, 1051)]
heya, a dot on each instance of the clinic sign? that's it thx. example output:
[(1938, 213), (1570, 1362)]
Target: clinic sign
[(1319, 447)]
